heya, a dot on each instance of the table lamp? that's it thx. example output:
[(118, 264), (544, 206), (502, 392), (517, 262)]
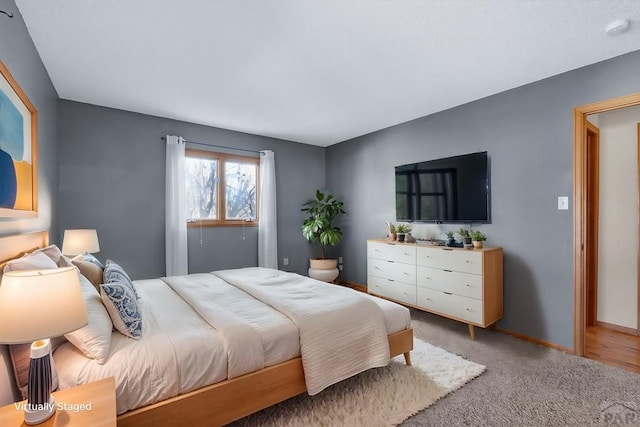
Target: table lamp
[(34, 306), (80, 241)]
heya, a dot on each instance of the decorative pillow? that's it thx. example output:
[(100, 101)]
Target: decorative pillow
[(91, 271), (65, 261), (122, 305), (114, 273), (91, 258), (33, 261), (94, 339)]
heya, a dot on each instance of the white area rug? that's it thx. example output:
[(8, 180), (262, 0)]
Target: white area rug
[(378, 397)]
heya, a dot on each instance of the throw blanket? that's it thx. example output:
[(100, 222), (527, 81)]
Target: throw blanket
[(242, 342), (342, 333)]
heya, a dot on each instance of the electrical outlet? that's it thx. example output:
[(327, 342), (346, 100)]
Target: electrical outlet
[(285, 261), (340, 260), (340, 267)]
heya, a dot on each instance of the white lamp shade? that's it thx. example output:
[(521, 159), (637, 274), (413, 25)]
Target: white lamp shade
[(40, 304), (80, 241)]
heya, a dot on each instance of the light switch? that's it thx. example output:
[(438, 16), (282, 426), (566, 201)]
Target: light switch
[(563, 203)]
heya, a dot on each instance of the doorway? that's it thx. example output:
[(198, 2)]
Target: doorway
[(586, 195)]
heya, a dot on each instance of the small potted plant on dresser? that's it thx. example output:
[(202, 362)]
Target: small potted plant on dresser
[(477, 237), (466, 238), (450, 239), (392, 231), (402, 230)]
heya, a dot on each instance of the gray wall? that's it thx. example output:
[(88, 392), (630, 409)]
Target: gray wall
[(112, 178), (19, 55), (528, 135)]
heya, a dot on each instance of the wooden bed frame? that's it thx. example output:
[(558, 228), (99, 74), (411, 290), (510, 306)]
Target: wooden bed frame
[(219, 403)]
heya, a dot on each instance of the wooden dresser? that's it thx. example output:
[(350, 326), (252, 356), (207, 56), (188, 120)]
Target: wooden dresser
[(461, 284)]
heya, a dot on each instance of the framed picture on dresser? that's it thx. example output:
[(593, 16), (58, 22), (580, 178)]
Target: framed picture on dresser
[(18, 150)]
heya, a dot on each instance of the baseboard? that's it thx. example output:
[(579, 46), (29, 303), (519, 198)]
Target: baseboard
[(363, 288), (617, 328), (353, 285), (536, 341)]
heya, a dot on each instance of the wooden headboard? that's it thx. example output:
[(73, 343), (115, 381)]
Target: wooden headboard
[(14, 246)]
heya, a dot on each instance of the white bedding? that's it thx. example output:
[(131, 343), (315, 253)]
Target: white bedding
[(255, 334), (177, 353), (181, 352), (342, 333)]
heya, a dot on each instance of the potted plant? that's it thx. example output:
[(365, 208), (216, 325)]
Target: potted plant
[(466, 238), (450, 239), (318, 226), (477, 237), (392, 231), (402, 230)]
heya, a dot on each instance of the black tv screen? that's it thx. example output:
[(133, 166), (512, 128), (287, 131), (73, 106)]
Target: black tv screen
[(452, 189)]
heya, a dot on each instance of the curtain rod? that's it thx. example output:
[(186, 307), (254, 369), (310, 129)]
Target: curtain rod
[(219, 146)]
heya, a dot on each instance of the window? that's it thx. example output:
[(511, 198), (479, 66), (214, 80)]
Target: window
[(221, 189)]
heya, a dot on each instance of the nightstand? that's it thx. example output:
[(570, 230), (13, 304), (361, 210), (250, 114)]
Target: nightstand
[(92, 404)]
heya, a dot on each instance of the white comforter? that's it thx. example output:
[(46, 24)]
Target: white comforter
[(341, 333)]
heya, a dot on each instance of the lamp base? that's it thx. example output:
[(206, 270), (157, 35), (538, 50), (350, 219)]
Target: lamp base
[(36, 414)]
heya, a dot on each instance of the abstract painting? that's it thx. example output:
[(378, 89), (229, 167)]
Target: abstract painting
[(18, 150)]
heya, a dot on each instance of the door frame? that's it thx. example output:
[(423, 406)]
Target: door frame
[(580, 114)]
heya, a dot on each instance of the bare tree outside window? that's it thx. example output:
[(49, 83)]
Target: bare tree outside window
[(240, 190), (221, 189)]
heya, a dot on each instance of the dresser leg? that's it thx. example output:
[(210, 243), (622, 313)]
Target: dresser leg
[(407, 358), (472, 332)]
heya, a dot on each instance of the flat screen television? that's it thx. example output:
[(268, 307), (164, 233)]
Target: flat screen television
[(452, 189)]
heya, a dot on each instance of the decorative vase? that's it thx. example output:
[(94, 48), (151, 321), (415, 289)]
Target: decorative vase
[(477, 244), (393, 236), (401, 237), (325, 270)]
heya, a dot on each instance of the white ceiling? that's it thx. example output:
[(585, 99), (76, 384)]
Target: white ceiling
[(314, 71)]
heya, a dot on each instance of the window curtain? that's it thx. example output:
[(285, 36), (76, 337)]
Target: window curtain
[(176, 213), (268, 228)]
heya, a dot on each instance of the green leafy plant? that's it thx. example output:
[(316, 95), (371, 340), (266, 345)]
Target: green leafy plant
[(450, 235), (463, 232), (319, 225), (478, 236), (403, 228), (391, 227)]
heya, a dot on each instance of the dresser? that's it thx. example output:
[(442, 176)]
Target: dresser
[(461, 284)]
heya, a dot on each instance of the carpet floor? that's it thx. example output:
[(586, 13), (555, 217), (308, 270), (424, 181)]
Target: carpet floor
[(525, 384), (378, 397)]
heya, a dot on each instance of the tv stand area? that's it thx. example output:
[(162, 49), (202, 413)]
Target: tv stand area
[(461, 284)]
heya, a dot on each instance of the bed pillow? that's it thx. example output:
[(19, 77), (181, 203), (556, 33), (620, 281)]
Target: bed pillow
[(115, 273), (122, 305), (52, 251), (33, 261), (91, 271), (94, 339), (92, 259)]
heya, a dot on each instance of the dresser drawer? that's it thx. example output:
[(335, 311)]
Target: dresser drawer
[(392, 270), (392, 252), (468, 309), (466, 261), (455, 282), (395, 290)]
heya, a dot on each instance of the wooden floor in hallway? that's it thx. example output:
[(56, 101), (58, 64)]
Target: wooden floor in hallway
[(613, 348)]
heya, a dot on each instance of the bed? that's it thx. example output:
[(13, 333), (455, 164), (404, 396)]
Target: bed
[(215, 382)]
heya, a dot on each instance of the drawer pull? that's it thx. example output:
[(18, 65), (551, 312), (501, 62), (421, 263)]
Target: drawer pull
[(448, 271), (468, 285), (377, 268), (405, 273), (448, 293), (391, 261), (391, 280), (468, 309), (444, 249), (428, 278), (468, 262)]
